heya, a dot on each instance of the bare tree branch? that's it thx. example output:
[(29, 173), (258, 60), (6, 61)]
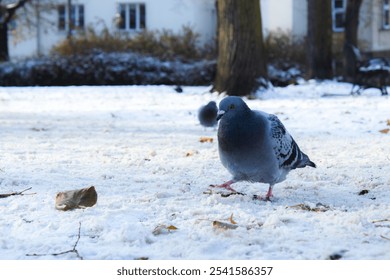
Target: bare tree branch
[(11, 9), (73, 250), (16, 193)]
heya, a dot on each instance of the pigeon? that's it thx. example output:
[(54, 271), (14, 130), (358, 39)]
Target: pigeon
[(255, 146), (207, 114)]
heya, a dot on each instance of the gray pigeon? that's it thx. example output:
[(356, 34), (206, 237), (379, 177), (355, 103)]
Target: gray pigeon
[(255, 146), (207, 114)]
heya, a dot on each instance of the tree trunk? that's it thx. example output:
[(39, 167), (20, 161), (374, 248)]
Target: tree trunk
[(6, 14), (351, 37), (319, 38), (69, 19), (241, 56), (4, 54)]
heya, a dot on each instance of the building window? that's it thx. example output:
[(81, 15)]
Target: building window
[(338, 15), (132, 16), (386, 14), (76, 17)]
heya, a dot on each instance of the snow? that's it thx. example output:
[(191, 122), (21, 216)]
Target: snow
[(139, 146)]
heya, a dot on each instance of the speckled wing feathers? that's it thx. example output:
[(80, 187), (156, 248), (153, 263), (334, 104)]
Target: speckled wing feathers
[(286, 150)]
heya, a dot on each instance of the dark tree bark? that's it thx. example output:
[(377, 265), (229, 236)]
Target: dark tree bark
[(241, 57), (319, 39), (70, 26), (6, 14), (351, 37), (4, 53)]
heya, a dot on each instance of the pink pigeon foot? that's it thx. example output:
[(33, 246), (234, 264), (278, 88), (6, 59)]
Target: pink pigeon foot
[(267, 196), (269, 193), (226, 186)]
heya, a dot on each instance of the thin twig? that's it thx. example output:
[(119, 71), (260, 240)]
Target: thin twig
[(74, 250), (378, 223), (16, 193), (384, 237), (381, 221)]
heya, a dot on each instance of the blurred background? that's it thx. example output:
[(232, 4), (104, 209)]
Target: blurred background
[(187, 42)]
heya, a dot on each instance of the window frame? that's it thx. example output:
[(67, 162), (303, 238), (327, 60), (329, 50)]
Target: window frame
[(386, 14), (338, 11), (77, 17), (130, 23)]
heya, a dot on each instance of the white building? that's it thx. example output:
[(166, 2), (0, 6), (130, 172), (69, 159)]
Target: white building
[(285, 15), (131, 16), (118, 16)]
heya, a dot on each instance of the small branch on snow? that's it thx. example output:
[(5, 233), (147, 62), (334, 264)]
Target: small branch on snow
[(73, 250), (16, 193), (381, 221), (384, 237)]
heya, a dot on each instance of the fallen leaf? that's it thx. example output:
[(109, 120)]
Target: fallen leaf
[(388, 122), (223, 225), (163, 229), (81, 198), (191, 153), (231, 219), (385, 131), (171, 227), (206, 140)]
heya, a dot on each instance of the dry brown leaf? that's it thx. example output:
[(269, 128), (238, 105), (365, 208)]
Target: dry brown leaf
[(206, 140), (223, 225), (384, 131), (388, 122), (231, 219), (73, 199), (172, 227), (163, 229), (191, 153)]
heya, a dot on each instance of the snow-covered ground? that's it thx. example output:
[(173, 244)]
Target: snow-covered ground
[(140, 148)]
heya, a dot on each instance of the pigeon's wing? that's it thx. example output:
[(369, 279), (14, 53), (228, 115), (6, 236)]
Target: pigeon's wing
[(286, 150)]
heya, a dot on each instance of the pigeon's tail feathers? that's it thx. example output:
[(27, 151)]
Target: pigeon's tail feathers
[(312, 164), (305, 161)]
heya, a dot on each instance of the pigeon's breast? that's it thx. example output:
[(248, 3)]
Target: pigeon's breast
[(245, 152)]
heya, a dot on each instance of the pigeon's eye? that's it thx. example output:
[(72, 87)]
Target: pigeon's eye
[(232, 106)]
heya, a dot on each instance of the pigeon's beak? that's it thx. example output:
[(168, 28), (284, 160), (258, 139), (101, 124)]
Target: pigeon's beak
[(220, 114)]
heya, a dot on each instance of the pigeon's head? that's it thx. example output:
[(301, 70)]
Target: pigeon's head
[(231, 105)]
